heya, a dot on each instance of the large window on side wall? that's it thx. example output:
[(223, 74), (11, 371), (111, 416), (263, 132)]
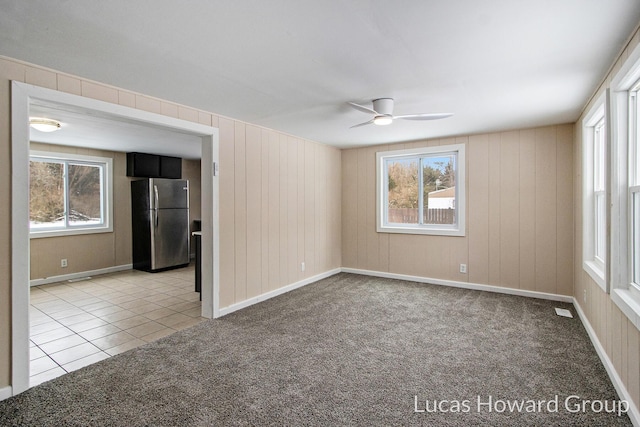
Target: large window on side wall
[(594, 211), (625, 188), (421, 191), (69, 194), (633, 187)]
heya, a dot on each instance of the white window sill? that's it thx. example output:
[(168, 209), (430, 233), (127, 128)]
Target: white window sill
[(596, 272), (68, 232), (404, 229), (629, 303)]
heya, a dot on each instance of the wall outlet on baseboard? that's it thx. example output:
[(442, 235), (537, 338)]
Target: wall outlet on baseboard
[(302, 266), (63, 262), (463, 268)]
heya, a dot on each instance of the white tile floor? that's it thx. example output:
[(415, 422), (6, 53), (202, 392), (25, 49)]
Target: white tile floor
[(77, 324)]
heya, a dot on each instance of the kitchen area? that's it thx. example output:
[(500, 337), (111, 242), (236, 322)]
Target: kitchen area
[(110, 305), (161, 215)]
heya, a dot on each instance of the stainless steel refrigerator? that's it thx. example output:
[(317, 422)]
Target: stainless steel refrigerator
[(160, 223)]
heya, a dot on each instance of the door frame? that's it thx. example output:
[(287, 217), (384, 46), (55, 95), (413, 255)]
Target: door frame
[(22, 95)]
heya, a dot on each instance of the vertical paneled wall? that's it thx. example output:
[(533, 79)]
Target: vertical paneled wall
[(619, 337), (280, 198), (519, 214)]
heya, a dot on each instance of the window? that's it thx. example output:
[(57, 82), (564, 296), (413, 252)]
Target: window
[(625, 188), (633, 186), (599, 194), (69, 194), (594, 210), (421, 191)]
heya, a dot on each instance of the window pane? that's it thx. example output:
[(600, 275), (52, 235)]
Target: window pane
[(600, 225), (636, 166), (439, 187), (599, 157), (46, 195), (635, 244), (85, 197), (402, 200), (634, 178), (634, 146)]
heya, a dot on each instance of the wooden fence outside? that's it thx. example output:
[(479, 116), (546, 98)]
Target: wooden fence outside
[(431, 216)]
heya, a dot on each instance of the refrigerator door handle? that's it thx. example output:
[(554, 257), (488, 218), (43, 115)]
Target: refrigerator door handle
[(155, 205)]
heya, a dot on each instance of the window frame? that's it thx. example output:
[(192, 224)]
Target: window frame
[(457, 229), (595, 124), (107, 194), (624, 131)]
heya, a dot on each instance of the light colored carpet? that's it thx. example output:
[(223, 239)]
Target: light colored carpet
[(348, 350)]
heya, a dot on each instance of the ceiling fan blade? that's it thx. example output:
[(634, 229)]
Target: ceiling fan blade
[(362, 124), (362, 108), (426, 116)]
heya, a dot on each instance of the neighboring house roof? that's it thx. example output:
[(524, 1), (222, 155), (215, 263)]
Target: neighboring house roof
[(447, 192)]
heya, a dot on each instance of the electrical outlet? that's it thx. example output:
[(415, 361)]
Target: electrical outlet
[(463, 268), (302, 266), (63, 262), (584, 295)]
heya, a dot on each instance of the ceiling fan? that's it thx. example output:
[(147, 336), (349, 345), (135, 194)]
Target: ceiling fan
[(383, 113)]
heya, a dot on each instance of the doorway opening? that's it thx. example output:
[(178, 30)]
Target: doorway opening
[(27, 97)]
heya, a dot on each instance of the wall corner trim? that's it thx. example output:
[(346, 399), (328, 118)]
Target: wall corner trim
[(634, 413), (464, 285), (6, 392), (268, 295)]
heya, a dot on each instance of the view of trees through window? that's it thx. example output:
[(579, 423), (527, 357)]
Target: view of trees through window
[(438, 175), (50, 194), (46, 198)]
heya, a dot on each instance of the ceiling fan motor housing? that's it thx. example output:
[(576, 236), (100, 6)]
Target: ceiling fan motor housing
[(383, 106)]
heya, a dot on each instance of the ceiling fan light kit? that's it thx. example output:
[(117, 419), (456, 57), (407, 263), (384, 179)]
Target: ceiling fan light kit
[(383, 113), (382, 120)]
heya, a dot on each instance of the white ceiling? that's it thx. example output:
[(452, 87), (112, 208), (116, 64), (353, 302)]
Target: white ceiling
[(292, 65), (91, 129)]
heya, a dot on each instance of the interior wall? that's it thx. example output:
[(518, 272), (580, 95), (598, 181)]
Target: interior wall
[(279, 207), (258, 166), (519, 214), (619, 337)]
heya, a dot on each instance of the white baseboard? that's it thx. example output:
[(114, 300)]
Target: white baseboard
[(63, 277), (633, 412), (464, 285), (6, 392), (251, 301)]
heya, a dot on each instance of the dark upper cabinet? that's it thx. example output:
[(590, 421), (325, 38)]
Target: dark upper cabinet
[(170, 167), (142, 165)]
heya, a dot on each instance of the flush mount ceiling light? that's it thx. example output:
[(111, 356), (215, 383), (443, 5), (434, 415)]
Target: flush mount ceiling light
[(44, 125)]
